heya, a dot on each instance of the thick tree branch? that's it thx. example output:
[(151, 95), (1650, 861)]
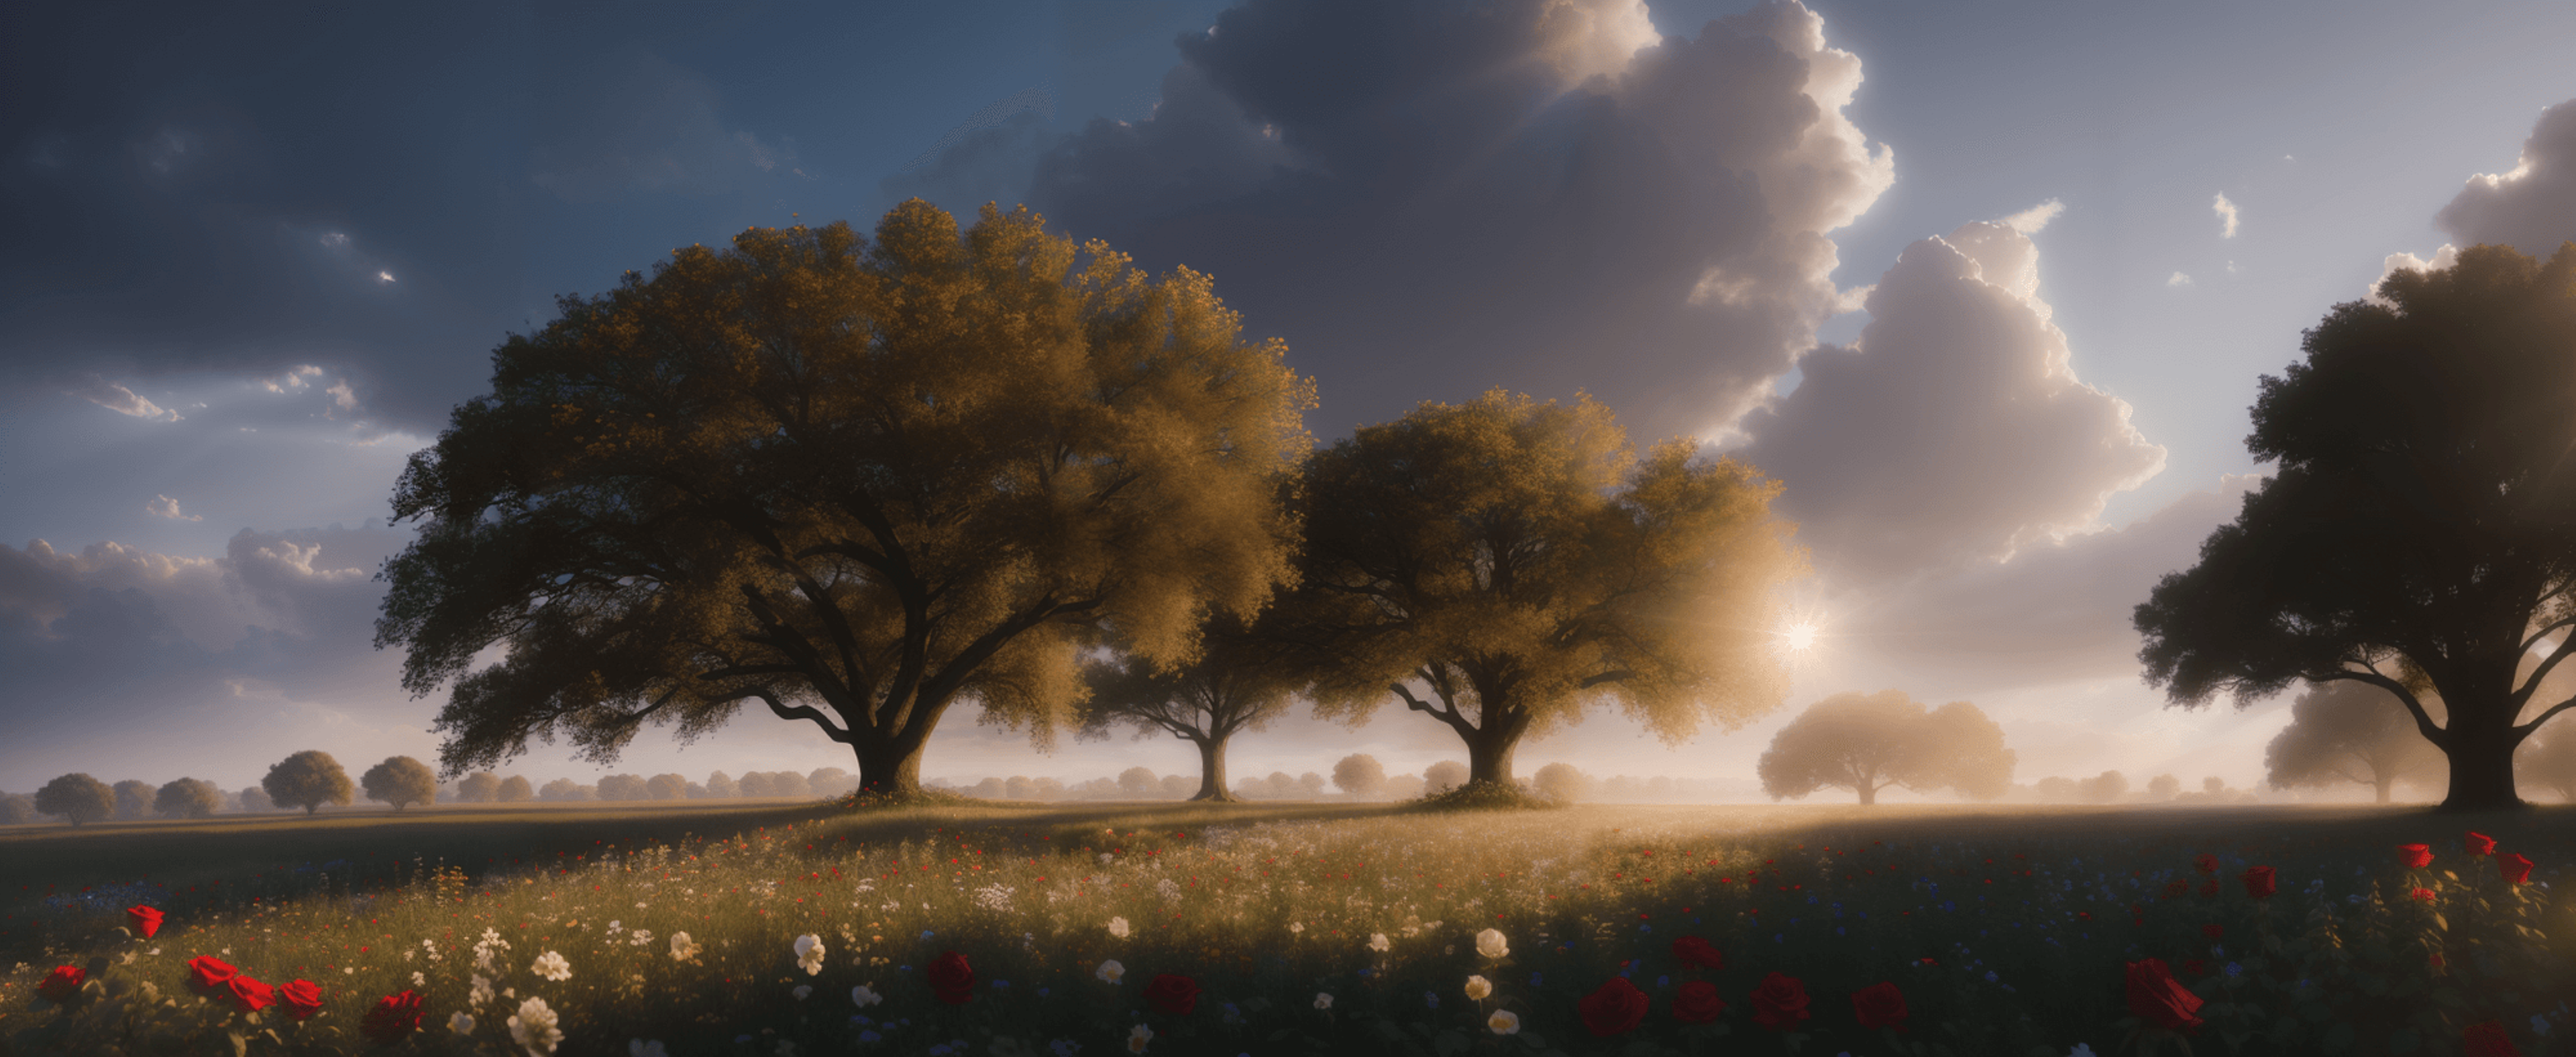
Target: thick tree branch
[(806, 712), (2423, 720)]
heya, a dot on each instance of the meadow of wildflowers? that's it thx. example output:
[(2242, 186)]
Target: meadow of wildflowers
[(1598, 930)]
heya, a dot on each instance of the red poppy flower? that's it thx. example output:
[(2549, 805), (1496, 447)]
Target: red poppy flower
[(2487, 1040), (1695, 953), (2209, 887), (61, 984), (2215, 932), (2515, 868), (206, 974), (393, 1017), (1173, 993), (1698, 1003), (2480, 843), (2156, 997), (250, 995), (1614, 1008), (302, 998), (2260, 882), (1879, 1005), (2195, 967), (951, 979), (2205, 863), (146, 920), (1780, 1003), (2422, 894), (2414, 856)]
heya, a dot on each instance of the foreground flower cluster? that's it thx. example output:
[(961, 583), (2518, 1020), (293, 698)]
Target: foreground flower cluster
[(1386, 936)]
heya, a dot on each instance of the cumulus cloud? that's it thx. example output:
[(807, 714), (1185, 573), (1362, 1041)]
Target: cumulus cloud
[(166, 507), (1955, 429), (2531, 208), (2178, 279), (2030, 221), (1428, 200), (121, 400), (2226, 211)]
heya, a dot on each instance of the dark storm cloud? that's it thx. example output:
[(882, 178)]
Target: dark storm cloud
[(1430, 199), (2531, 208)]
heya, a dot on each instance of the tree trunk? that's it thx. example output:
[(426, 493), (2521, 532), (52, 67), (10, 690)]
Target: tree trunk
[(2481, 752), (1868, 793), (1489, 752), (2381, 787), (889, 768), (1212, 787)]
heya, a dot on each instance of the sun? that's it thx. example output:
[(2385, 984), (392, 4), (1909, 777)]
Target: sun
[(1798, 637)]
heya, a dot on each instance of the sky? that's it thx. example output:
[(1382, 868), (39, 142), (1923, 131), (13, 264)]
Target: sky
[(1989, 287)]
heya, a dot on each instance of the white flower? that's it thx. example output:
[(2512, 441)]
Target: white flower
[(1323, 1001), (418, 980), (865, 996), (801, 992), (1118, 927), (682, 947), (534, 1028), (1490, 943), (1478, 987), (1137, 1039), (1296, 927), (1110, 971), (480, 993), (809, 953), (614, 928), (641, 1048), (640, 937), (1378, 943), (1503, 1022), (461, 1024), (552, 966)]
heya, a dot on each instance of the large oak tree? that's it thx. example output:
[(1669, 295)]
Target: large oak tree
[(2420, 526), (1501, 564), (853, 482)]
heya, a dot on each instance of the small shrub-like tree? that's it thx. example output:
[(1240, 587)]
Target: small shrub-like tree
[(1310, 784), (788, 783), (1562, 782), (563, 789), (1443, 776), (2548, 760), (515, 790), (133, 799), (308, 780), (667, 786), (1018, 787), (722, 784), (481, 787), (624, 787), (2163, 787), (830, 781), (254, 799), (2345, 731), (1359, 774), (1138, 781), (2104, 788), (17, 809), (755, 784), (188, 798), (1404, 786), (400, 781), (78, 798)]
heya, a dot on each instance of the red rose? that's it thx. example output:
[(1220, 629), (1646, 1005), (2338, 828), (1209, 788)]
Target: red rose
[(2260, 882), (1695, 953), (1780, 1003), (1698, 1003), (2515, 868), (2209, 887), (146, 920), (2205, 863), (1172, 993), (394, 1017), (2487, 1040), (1880, 1005), (2215, 932), (952, 979), (302, 998), (61, 984), (2414, 856), (2480, 843), (2422, 894), (207, 974), (1614, 1009), (2155, 997), (251, 995)]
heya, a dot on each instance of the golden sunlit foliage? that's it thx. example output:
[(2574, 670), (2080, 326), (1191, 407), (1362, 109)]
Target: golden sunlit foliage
[(855, 482)]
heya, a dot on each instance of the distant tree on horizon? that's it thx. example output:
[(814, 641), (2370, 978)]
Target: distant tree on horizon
[(133, 799), (2346, 731), (1139, 781), (514, 790), (1562, 782), (78, 798), (1443, 776), (1360, 775), (17, 809), (2164, 787), (1081, 454), (188, 798), (722, 784), (308, 779), (2549, 761), (1867, 742), (481, 787), (667, 786), (255, 799), (2104, 788), (565, 790), (401, 781), (1241, 680), (1504, 565), (2419, 532)]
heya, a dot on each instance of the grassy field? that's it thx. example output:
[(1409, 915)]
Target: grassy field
[(2005, 931)]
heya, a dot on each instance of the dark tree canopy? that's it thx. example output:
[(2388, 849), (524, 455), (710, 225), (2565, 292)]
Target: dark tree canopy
[(308, 779), (2419, 531), (854, 482), (1240, 681), (188, 798), (1867, 742), (78, 798), (400, 781), (2348, 731), (1500, 565)]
